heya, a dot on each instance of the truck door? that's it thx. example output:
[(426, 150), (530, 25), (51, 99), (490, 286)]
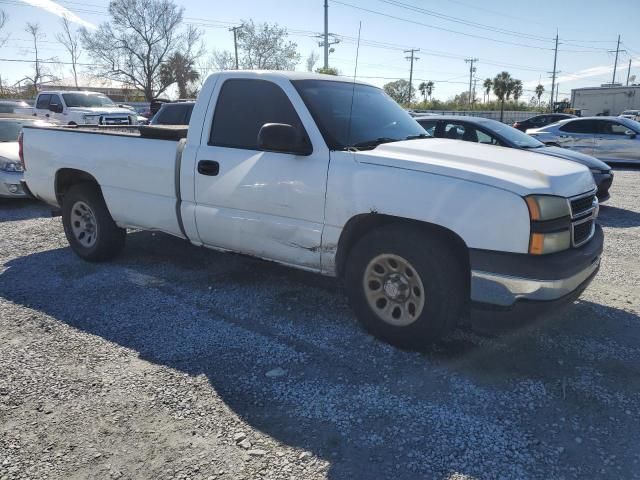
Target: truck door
[(267, 204), (56, 108)]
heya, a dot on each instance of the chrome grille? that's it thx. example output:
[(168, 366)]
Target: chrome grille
[(584, 210)]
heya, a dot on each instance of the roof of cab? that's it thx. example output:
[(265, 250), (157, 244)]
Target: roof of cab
[(290, 75)]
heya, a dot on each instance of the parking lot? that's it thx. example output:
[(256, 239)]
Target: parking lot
[(179, 362)]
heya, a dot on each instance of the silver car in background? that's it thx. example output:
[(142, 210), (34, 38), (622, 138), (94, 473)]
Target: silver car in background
[(610, 139)]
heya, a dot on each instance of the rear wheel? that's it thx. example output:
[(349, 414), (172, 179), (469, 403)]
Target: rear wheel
[(407, 286), (90, 230)]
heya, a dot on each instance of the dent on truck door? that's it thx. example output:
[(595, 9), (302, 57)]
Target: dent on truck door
[(266, 204)]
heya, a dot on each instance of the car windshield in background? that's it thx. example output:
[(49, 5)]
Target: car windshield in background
[(632, 124), (84, 100), (513, 135), (375, 118), (10, 129)]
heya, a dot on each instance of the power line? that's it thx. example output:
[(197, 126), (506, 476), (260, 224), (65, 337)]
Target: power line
[(415, 22)]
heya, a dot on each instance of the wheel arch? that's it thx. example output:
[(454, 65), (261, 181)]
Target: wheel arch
[(360, 225), (67, 177)]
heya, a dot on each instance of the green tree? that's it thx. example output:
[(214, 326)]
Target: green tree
[(423, 90), (430, 87), (487, 85), (328, 71), (398, 91), (517, 89), (502, 85), (539, 92), (181, 70)]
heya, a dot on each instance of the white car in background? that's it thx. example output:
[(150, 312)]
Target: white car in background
[(11, 171), (631, 115), (80, 108)]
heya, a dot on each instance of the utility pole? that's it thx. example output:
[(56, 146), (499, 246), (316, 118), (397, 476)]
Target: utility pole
[(615, 63), (235, 41), (325, 36), (470, 61), (553, 74), (412, 58), (475, 82), (628, 72)]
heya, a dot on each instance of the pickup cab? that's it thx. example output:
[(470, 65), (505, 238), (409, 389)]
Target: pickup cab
[(79, 108), (330, 175)]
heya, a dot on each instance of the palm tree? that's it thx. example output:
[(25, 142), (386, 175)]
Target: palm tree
[(487, 84), (502, 86), (539, 92), (517, 89), (181, 70), (429, 89), (423, 90)]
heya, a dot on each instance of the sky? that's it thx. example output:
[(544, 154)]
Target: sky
[(502, 34)]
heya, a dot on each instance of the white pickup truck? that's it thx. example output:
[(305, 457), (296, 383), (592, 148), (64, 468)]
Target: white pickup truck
[(79, 108), (332, 176)]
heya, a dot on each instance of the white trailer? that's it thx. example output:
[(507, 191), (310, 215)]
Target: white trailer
[(605, 100)]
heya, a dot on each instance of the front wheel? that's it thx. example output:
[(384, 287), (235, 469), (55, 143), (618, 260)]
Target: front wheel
[(88, 226), (406, 285)]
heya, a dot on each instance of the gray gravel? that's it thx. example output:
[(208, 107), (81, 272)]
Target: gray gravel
[(179, 362)]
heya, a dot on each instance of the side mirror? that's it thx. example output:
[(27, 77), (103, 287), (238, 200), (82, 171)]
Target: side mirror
[(630, 134), (55, 108), (283, 138)]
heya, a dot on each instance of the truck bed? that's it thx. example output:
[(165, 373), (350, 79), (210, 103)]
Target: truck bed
[(135, 169)]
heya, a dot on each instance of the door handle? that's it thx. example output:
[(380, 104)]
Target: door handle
[(46, 115), (208, 167), (35, 114)]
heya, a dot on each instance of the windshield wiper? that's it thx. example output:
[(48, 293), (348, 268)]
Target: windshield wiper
[(373, 143), (419, 135), (527, 147)]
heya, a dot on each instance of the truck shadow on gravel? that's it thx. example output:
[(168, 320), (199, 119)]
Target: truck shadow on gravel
[(479, 406), (618, 217), (12, 210)]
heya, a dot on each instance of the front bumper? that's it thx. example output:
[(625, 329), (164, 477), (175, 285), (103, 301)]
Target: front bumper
[(505, 281), (11, 186)]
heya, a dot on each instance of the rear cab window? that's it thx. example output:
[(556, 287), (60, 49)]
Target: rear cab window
[(243, 107)]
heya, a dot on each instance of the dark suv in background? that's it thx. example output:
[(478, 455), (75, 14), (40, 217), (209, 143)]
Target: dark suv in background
[(541, 120), (178, 113)]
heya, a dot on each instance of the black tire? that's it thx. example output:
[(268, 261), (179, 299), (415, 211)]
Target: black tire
[(442, 275), (109, 238)]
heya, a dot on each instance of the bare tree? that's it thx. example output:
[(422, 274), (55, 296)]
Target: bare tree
[(266, 47), (40, 72), (312, 59), (140, 37), (222, 60), (70, 41)]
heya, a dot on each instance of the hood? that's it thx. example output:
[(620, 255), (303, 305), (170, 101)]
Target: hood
[(586, 160), (102, 110), (518, 171), (9, 150)]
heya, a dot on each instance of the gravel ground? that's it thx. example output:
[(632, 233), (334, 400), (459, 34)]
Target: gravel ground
[(179, 362)]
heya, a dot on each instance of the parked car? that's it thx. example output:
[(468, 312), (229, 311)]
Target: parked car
[(631, 115), (492, 132), (178, 113), (611, 139), (538, 121), (9, 106), (332, 176), (79, 108), (11, 170)]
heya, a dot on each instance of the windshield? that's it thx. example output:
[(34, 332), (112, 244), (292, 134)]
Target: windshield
[(87, 100), (376, 118), (631, 124), (513, 135), (10, 129)]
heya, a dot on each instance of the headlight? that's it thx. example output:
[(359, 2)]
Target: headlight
[(550, 224), (7, 165), (90, 119)]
